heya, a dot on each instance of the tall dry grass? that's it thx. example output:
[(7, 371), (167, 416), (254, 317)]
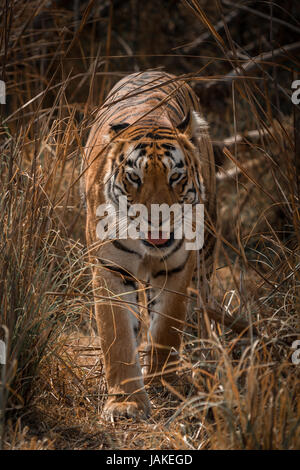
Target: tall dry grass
[(238, 387)]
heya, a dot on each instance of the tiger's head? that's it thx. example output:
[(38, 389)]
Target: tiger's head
[(151, 166)]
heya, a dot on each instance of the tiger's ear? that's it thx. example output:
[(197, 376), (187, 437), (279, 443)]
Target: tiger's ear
[(114, 130), (193, 125), (185, 124), (118, 127)]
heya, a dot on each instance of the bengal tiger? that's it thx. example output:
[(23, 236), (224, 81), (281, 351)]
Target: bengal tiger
[(149, 143)]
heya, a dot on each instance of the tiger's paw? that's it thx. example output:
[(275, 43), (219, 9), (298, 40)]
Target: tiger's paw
[(136, 407)]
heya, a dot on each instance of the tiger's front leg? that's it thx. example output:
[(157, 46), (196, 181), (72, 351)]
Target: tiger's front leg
[(167, 318), (118, 326)]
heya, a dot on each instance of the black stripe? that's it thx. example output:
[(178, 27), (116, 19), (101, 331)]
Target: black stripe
[(148, 98), (183, 183), (193, 190), (126, 277), (162, 134), (119, 246), (111, 193), (140, 146), (168, 146), (156, 136), (169, 155), (119, 188), (171, 271), (150, 303), (176, 248)]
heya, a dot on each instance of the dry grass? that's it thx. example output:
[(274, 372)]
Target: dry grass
[(235, 390)]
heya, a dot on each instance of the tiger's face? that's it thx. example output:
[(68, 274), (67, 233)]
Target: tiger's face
[(154, 168)]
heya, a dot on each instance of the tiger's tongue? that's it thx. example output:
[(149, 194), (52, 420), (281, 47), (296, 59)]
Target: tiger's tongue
[(157, 241)]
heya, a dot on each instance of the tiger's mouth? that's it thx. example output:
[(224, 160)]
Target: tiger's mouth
[(163, 240)]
